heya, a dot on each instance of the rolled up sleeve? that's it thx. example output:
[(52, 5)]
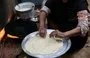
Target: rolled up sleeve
[(83, 22), (46, 9), (48, 6)]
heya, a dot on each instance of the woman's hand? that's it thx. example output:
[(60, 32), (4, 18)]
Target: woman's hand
[(42, 31), (57, 33)]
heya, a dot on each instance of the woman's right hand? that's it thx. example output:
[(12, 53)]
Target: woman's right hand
[(42, 32)]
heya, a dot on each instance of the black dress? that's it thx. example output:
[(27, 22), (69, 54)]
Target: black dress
[(64, 16)]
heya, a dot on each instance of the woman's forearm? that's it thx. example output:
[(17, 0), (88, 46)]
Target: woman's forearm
[(42, 19), (82, 27), (74, 32)]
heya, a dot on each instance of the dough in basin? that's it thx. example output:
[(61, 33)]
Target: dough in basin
[(46, 45)]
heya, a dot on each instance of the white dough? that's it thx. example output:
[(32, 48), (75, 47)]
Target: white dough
[(39, 45)]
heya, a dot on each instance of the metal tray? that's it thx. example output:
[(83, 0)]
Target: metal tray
[(61, 51)]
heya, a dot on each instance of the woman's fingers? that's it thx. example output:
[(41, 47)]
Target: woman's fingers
[(57, 33), (42, 32), (53, 34)]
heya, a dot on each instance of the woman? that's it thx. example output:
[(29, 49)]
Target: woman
[(71, 18)]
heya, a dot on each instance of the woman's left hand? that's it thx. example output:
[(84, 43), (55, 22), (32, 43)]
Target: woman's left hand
[(57, 33)]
